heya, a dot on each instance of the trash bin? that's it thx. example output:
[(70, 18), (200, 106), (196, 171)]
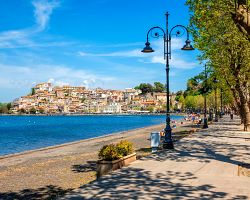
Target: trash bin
[(155, 141)]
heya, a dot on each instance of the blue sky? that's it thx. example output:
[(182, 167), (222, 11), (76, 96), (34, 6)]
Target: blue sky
[(95, 43)]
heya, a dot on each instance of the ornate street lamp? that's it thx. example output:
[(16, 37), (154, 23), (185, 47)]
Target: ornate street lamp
[(205, 125), (216, 106), (155, 33)]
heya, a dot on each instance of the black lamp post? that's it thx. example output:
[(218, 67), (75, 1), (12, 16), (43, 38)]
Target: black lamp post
[(205, 125), (154, 32), (210, 117), (215, 94)]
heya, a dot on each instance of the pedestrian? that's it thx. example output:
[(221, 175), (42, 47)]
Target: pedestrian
[(231, 115), (193, 117)]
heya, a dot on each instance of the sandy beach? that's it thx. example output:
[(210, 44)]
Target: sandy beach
[(49, 172)]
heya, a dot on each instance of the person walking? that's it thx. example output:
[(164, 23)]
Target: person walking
[(231, 115)]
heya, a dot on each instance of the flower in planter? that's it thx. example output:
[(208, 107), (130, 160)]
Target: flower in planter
[(114, 152), (125, 147)]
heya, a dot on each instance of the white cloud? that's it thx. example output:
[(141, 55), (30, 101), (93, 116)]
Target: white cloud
[(178, 62), (58, 82), (114, 45), (132, 53), (22, 37), (20, 77), (42, 12), (175, 62), (176, 44), (82, 54)]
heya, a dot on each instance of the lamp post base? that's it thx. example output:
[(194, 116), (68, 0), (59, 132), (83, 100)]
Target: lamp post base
[(205, 123), (216, 119), (210, 118), (168, 142), (168, 145)]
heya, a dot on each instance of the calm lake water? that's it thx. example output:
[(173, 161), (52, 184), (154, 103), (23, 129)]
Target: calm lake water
[(21, 133)]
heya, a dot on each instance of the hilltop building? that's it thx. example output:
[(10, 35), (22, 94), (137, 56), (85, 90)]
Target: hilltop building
[(49, 99)]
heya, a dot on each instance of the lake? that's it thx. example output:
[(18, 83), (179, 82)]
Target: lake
[(22, 133)]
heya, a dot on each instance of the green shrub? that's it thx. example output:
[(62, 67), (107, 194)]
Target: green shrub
[(109, 153), (125, 147), (114, 152)]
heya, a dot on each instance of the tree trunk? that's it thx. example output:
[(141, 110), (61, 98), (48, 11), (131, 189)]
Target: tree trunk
[(243, 105), (242, 18), (241, 97), (246, 119)]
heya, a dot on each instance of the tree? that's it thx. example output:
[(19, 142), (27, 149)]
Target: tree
[(190, 102), (32, 110), (150, 109), (196, 85), (148, 88), (181, 101), (33, 91), (145, 88), (227, 47), (8, 106), (5, 108), (195, 103), (178, 95), (241, 16), (158, 87)]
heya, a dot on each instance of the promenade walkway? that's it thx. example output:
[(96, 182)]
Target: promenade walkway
[(202, 166)]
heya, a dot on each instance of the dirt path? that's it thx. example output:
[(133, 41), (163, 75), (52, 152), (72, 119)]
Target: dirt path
[(49, 172)]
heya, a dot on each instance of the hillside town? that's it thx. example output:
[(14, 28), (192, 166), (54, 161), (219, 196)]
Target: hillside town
[(48, 99)]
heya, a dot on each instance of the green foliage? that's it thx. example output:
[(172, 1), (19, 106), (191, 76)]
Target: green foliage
[(145, 88), (8, 105), (150, 109), (194, 102), (190, 102), (224, 44), (114, 152), (178, 94), (125, 147), (5, 108), (109, 153), (198, 85), (158, 87), (136, 108), (192, 85), (181, 101), (148, 88), (33, 111), (33, 91)]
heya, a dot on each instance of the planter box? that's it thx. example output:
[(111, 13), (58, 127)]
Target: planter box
[(104, 167)]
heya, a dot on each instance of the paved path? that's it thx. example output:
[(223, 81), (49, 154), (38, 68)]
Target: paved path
[(202, 166)]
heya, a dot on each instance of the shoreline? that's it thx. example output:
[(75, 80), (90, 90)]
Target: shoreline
[(93, 114), (71, 165), (73, 143), (65, 148), (77, 141)]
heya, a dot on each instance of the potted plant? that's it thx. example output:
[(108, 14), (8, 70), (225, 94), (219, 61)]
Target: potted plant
[(115, 156)]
